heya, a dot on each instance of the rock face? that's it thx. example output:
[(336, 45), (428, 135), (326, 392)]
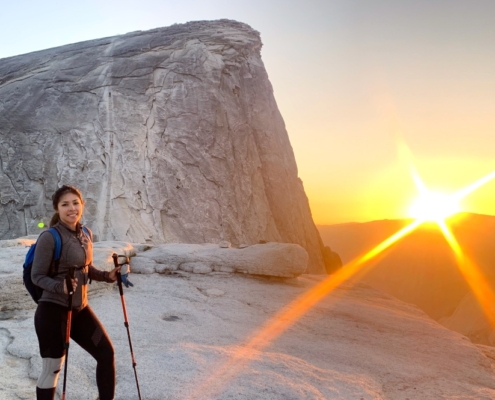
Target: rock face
[(172, 134), (470, 320), (332, 260)]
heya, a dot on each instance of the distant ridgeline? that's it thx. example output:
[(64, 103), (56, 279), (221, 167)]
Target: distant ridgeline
[(172, 134), (422, 269)]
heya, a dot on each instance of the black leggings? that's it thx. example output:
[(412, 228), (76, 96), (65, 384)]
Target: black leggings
[(87, 331)]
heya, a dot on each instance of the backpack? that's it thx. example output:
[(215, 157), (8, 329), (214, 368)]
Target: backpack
[(34, 290)]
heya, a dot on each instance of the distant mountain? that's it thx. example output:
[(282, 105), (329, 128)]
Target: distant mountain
[(421, 268)]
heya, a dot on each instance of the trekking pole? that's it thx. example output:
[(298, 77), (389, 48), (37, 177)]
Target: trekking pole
[(124, 308), (70, 289)]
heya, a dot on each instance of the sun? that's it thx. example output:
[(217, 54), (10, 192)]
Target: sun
[(434, 206)]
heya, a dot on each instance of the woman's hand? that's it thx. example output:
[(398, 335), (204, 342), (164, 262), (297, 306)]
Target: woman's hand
[(113, 273), (74, 286)]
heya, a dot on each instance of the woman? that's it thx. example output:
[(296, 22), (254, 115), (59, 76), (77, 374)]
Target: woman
[(50, 319)]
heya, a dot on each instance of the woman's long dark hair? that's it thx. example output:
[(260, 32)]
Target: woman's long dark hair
[(56, 199)]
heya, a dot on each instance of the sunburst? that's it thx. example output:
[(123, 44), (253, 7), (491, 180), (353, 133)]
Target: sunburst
[(434, 206), (430, 206)]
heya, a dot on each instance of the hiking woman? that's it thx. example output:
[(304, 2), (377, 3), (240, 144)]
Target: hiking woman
[(50, 319)]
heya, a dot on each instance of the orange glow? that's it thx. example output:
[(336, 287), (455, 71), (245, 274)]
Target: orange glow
[(288, 315), (474, 186), (431, 205), (437, 208), (358, 196), (472, 275)]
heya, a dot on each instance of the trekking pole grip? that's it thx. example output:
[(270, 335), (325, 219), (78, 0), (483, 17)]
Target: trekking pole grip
[(115, 260), (119, 277)]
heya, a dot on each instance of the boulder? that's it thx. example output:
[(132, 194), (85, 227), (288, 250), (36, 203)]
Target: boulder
[(173, 135), (272, 259), (332, 260), (143, 265)]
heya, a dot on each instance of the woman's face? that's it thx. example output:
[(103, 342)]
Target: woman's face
[(70, 209)]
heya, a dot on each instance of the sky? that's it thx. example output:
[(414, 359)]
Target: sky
[(357, 82)]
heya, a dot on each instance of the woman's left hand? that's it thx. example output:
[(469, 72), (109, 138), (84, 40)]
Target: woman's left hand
[(113, 273)]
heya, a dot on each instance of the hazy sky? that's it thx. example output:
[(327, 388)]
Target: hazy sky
[(352, 79)]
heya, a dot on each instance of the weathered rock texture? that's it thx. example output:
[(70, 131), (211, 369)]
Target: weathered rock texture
[(470, 320), (272, 259), (173, 135)]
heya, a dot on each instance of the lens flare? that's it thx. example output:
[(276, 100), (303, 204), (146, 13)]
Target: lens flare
[(430, 206), (434, 206), (275, 326), (473, 276)]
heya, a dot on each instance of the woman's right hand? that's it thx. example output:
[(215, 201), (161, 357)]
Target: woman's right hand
[(74, 285)]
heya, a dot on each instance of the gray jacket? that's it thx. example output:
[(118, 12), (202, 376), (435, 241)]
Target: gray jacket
[(77, 250)]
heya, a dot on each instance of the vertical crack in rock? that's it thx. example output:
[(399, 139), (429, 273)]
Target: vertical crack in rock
[(11, 187)]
